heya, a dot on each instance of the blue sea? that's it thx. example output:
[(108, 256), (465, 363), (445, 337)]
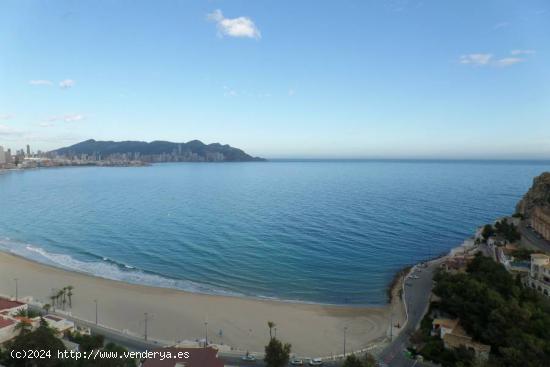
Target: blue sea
[(309, 231)]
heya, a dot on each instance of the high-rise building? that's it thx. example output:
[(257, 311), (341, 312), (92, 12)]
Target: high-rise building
[(28, 150), (2, 155)]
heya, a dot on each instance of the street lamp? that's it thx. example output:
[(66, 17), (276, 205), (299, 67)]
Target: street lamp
[(95, 301), (16, 289), (205, 333), (391, 327), (146, 319), (345, 329)]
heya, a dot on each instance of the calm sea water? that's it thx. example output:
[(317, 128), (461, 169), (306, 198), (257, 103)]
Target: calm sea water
[(329, 232)]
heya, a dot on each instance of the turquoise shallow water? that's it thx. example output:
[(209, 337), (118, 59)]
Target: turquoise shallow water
[(329, 232)]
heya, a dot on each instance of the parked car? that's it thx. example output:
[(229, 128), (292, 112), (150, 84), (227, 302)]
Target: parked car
[(248, 357), (297, 362), (315, 362)]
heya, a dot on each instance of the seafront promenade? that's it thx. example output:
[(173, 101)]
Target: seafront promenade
[(176, 316)]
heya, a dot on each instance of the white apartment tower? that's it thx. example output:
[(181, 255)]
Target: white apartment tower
[(2, 155)]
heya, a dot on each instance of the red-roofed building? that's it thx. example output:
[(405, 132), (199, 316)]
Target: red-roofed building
[(7, 329), (6, 322), (11, 307), (196, 357)]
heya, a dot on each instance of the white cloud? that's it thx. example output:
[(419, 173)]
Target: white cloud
[(522, 52), (7, 116), (509, 61), (46, 124), (501, 25), (6, 131), (67, 83), (229, 92), (515, 57), (234, 27), (476, 59), (40, 82), (73, 118), (401, 5), (67, 118)]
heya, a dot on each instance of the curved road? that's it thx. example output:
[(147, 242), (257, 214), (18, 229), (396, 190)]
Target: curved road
[(417, 297)]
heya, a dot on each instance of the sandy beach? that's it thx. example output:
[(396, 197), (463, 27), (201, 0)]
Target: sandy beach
[(313, 330)]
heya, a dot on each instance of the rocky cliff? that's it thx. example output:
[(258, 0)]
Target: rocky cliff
[(537, 196)]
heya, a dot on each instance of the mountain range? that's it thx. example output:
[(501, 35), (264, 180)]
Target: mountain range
[(158, 151)]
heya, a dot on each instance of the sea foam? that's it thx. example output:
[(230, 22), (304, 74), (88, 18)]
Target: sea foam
[(105, 268)]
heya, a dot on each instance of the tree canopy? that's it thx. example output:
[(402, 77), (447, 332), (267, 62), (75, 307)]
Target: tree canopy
[(42, 338), (353, 361), (503, 228), (277, 354), (495, 309)]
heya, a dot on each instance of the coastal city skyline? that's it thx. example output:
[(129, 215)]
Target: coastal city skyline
[(351, 80)]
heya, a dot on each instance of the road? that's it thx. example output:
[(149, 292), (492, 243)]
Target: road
[(136, 344), (533, 238), (130, 342), (237, 361), (417, 297)]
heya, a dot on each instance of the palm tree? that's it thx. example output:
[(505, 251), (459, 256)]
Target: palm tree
[(70, 295), (64, 294), (59, 296), (53, 298), (270, 325), (47, 307)]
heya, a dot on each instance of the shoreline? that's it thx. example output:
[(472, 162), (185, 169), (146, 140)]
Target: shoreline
[(314, 329), (394, 284), (177, 315), (214, 292)]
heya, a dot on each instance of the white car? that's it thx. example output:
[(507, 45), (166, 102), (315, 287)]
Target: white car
[(297, 362), (248, 358), (315, 362)]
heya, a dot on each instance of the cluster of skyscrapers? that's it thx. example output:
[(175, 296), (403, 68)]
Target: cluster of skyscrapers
[(25, 158), (9, 160)]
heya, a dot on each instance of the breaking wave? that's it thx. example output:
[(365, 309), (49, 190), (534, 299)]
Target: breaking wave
[(105, 268)]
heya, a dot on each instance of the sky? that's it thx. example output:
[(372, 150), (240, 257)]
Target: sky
[(281, 79)]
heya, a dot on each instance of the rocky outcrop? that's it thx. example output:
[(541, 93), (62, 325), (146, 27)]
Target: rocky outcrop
[(537, 196)]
